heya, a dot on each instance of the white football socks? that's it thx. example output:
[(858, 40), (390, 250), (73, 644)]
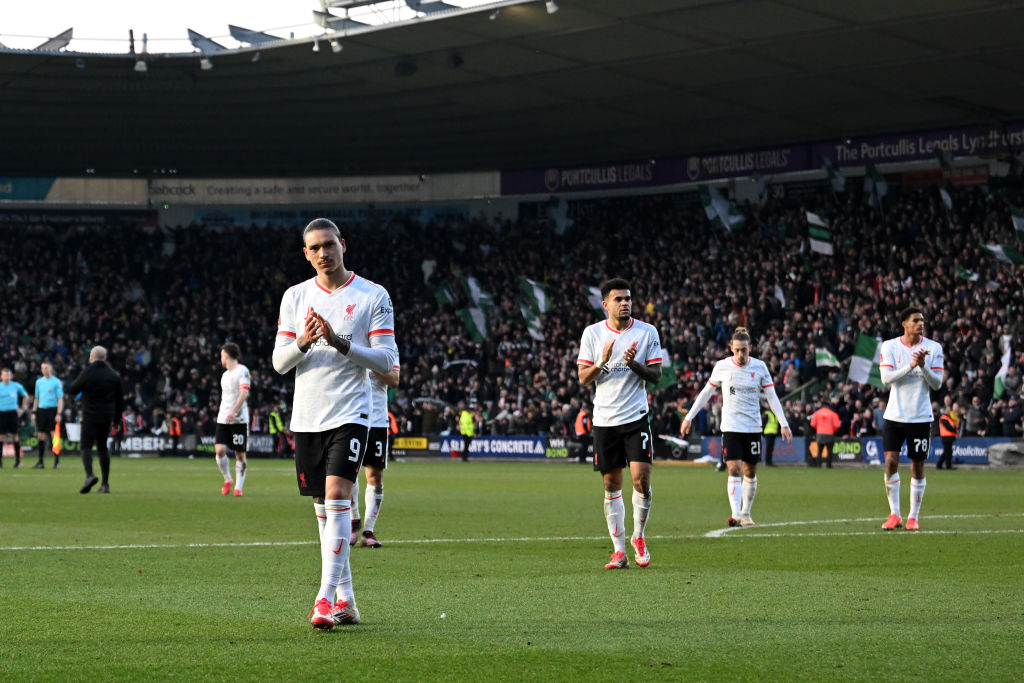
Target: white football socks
[(749, 491), (374, 497), (615, 515), (225, 468), (892, 491), (321, 518), (355, 498), (641, 510), (334, 549), (734, 488), (916, 496), (240, 468), (345, 590)]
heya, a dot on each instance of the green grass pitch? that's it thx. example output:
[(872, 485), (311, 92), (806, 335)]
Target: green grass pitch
[(494, 571)]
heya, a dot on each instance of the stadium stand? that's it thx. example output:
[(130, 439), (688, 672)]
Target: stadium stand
[(164, 299)]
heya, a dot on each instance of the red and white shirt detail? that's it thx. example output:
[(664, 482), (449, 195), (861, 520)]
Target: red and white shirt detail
[(620, 396), (331, 390), (741, 393), (233, 383), (910, 397)]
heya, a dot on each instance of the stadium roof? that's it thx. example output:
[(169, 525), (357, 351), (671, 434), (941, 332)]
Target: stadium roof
[(599, 80)]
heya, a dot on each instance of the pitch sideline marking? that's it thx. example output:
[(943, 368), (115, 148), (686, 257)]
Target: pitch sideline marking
[(716, 533), (412, 541), (720, 533)]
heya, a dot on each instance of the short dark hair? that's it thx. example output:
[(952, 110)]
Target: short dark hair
[(614, 283), (321, 224), (232, 350), (7, 369), (909, 311)]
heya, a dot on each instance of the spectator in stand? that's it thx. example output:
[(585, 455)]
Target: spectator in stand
[(976, 421), (1011, 382), (863, 425), (1012, 417), (878, 414)]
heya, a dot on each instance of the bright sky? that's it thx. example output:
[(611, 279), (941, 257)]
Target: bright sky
[(102, 25)]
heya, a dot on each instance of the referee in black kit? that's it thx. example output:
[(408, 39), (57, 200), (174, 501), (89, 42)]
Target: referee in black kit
[(102, 405)]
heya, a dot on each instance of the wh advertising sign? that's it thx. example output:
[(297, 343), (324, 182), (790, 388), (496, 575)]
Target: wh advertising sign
[(968, 141), (970, 450), (496, 446)]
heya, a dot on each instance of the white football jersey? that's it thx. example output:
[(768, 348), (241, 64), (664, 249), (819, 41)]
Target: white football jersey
[(909, 397), (233, 383), (379, 399), (620, 397), (741, 393), (331, 390)]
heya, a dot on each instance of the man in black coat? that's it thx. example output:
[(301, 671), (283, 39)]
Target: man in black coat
[(102, 405)]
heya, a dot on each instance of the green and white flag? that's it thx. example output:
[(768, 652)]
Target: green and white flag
[(875, 187), (821, 238), (444, 294), (947, 201), (720, 211), (835, 176), (475, 321), (864, 364), (593, 295), (1017, 215), (999, 389), (1004, 252), (815, 219), (477, 294), (967, 274), (533, 325), (780, 296), (535, 294), (824, 358), (668, 374)]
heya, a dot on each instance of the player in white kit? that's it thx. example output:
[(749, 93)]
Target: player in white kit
[(376, 459), (332, 329), (620, 354), (912, 367), (741, 379), (233, 418)]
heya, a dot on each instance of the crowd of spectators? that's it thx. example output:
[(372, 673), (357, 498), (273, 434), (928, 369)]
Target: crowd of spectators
[(163, 300)]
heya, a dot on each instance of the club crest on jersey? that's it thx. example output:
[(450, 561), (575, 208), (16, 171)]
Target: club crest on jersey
[(350, 312)]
